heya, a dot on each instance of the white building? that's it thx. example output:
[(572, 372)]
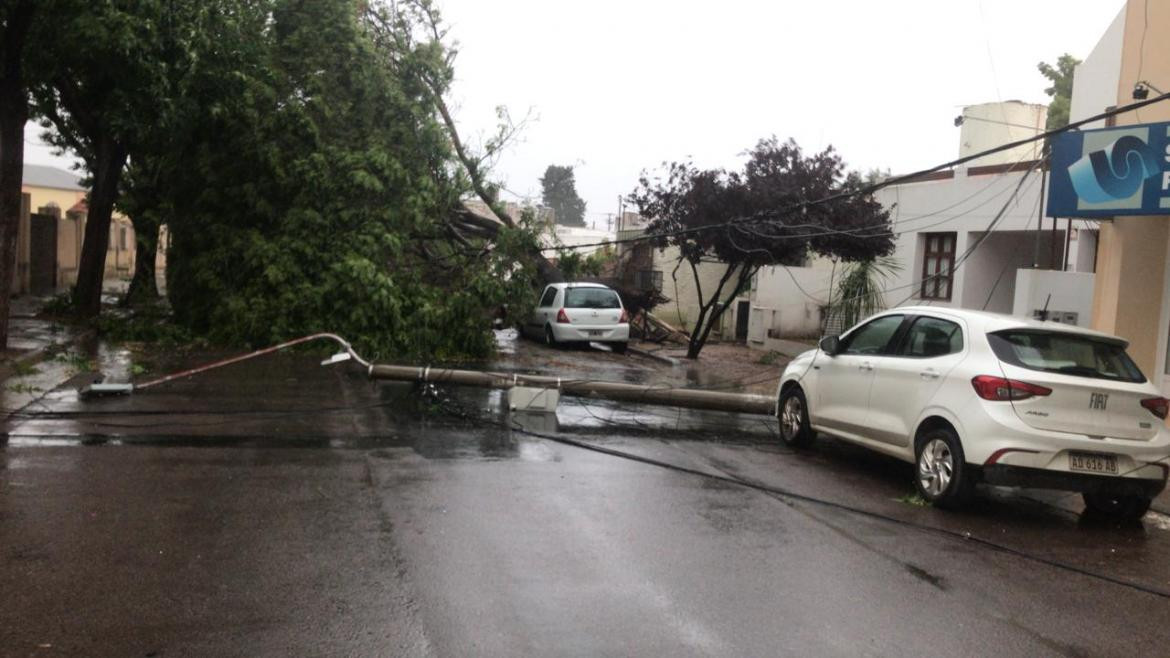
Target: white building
[(574, 236), (947, 255)]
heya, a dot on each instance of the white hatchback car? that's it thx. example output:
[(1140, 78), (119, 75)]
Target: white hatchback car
[(580, 313), (975, 397)]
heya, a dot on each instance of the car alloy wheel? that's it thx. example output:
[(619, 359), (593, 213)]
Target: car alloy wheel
[(941, 475), (936, 467), (791, 417), (795, 430)]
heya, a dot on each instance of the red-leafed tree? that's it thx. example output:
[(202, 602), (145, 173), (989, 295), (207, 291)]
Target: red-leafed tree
[(783, 206)]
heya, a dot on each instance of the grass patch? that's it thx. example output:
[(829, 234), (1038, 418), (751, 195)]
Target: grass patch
[(770, 358), (76, 362), (913, 498), (138, 369), (23, 388), (25, 369)]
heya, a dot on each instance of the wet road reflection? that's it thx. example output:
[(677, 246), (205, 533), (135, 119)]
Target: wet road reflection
[(490, 472)]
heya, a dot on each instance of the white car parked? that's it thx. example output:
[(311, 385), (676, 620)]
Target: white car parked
[(580, 313), (975, 397)]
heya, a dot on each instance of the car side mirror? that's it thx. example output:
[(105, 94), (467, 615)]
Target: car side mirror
[(830, 345)]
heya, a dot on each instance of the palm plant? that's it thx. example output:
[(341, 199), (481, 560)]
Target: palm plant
[(861, 291)]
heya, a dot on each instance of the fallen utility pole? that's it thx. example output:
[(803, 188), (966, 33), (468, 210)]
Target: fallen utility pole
[(584, 388), (540, 392)]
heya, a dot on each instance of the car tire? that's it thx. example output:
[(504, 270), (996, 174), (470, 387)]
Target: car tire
[(1122, 508), (941, 475), (550, 338), (792, 412), (619, 348)]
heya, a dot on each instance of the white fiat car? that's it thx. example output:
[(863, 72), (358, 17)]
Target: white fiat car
[(580, 313), (975, 397)]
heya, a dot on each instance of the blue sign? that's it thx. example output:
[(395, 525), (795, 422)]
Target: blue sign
[(1113, 171)]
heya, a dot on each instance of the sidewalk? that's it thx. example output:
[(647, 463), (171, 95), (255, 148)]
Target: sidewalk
[(32, 337)]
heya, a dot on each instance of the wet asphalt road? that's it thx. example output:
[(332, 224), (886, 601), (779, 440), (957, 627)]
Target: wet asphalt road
[(286, 509)]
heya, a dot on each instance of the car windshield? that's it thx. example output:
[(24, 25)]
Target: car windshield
[(1065, 353), (591, 298)]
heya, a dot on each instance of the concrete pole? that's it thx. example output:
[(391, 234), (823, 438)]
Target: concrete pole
[(688, 398)]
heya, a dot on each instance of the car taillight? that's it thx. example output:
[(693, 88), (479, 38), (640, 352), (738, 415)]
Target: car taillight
[(625, 316), (1157, 406), (562, 317), (1000, 389)]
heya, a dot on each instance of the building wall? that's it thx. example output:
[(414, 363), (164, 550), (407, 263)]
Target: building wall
[(1131, 283), (965, 204), (120, 253), (678, 285), (787, 301), (1058, 293), (1096, 79), (989, 125)]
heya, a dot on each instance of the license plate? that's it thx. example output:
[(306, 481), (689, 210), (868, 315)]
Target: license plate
[(597, 332), (1092, 463)]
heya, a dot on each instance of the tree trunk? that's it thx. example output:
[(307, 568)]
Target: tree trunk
[(716, 310), (13, 115), (11, 172), (709, 312), (109, 159), (144, 286)]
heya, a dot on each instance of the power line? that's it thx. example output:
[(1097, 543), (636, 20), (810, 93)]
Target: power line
[(971, 250), (870, 189)]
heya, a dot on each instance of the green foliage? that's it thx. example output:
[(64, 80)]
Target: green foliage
[(21, 369), (1061, 77), (770, 358), (860, 291), (914, 499), (575, 265), (60, 305), (559, 192), (306, 186), (148, 323), (75, 362)]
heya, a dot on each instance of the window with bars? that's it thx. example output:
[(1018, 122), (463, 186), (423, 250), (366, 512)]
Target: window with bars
[(938, 264)]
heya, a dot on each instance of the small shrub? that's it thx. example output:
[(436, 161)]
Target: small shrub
[(770, 358)]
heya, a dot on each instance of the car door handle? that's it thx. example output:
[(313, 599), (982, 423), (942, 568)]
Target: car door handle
[(929, 374), (865, 366)]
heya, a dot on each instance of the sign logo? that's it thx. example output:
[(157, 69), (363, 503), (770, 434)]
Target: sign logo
[(1114, 171)]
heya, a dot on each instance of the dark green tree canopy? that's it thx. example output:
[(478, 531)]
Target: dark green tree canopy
[(559, 192), (1061, 77)]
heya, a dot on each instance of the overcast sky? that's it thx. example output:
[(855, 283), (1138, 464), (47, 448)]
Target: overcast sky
[(616, 87)]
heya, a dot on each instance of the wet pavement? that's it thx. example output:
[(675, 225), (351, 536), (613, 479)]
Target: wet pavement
[(279, 508)]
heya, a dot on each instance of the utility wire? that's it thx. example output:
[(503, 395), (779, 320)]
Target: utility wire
[(870, 189)]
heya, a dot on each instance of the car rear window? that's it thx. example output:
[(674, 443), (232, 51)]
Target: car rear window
[(1065, 353), (591, 298)]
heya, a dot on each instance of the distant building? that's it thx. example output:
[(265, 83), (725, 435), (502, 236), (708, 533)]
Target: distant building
[(573, 236), (52, 231)]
